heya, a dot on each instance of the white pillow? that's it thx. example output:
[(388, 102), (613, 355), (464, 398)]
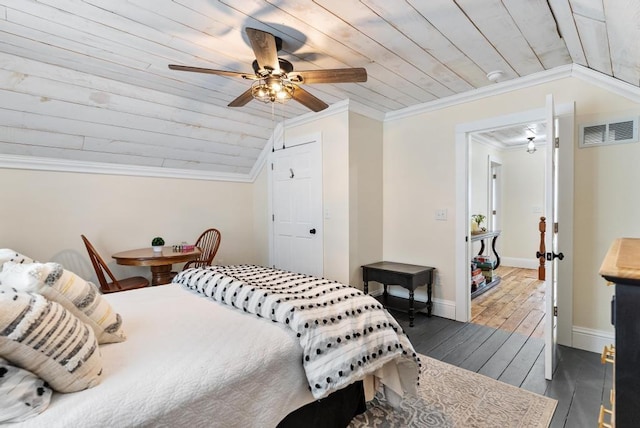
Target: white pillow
[(78, 296), (43, 337), (22, 394)]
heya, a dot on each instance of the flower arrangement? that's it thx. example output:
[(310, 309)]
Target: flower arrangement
[(476, 222), (478, 218)]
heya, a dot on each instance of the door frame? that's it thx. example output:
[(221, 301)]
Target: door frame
[(314, 138), (462, 167)]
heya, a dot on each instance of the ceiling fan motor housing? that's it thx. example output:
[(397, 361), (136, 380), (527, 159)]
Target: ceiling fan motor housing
[(285, 67)]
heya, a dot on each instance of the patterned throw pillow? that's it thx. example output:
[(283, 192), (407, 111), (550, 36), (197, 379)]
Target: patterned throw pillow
[(9, 255), (43, 337), (78, 296), (22, 394)]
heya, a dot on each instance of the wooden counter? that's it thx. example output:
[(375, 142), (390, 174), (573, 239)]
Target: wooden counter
[(622, 261)]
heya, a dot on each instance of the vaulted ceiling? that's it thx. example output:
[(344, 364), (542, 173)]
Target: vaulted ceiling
[(88, 79)]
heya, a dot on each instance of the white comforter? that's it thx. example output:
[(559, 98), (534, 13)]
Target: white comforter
[(189, 362)]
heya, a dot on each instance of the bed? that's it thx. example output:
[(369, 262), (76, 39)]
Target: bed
[(190, 360)]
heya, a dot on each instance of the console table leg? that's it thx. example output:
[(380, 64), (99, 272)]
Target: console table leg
[(411, 311), (366, 287), (493, 247), (429, 302)]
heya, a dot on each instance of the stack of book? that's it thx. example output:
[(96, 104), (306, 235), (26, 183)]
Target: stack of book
[(477, 278), (487, 266)]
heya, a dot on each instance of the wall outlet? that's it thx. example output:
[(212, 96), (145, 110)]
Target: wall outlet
[(441, 214)]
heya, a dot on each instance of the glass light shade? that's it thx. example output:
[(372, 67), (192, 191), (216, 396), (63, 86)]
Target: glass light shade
[(272, 89)]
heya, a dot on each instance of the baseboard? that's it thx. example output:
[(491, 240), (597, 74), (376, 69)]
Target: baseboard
[(519, 263), (441, 308), (591, 340)]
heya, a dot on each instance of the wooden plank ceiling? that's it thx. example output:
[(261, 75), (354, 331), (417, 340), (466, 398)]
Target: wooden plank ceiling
[(88, 79)]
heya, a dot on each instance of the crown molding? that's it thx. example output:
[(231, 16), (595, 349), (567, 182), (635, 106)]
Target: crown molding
[(604, 81), (484, 92), (343, 106), (64, 165), (583, 73)]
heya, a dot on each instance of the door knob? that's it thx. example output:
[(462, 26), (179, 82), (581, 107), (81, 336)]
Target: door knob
[(551, 256), (312, 231)]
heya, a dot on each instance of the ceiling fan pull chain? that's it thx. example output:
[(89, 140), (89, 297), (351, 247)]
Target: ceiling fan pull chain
[(283, 127)]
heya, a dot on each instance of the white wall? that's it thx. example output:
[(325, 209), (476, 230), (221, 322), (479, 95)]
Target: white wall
[(523, 204), (44, 213)]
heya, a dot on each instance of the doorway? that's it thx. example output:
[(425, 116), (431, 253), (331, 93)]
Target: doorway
[(565, 117), (506, 188)]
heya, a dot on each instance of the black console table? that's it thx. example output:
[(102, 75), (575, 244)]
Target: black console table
[(486, 235), (404, 275), (482, 236)]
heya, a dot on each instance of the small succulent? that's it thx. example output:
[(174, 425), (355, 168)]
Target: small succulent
[(157, 241)]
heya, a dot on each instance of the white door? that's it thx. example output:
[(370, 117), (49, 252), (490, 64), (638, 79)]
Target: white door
[(551, 242), (296, 180)]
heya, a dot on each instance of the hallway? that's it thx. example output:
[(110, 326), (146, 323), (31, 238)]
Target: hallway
[(515, 305)]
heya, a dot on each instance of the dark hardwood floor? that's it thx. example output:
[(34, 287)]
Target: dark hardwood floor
[(580, 383)]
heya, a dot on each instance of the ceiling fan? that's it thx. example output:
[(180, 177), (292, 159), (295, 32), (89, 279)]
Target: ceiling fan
[(274, 78)]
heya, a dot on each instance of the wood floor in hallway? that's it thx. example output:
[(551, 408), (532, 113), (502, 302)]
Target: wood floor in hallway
[(516, 305)]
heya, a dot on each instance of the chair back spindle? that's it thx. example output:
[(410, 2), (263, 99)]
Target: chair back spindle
[(208, 242)]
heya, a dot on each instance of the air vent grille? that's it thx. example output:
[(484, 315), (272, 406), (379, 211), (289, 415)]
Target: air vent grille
[(614, 132)]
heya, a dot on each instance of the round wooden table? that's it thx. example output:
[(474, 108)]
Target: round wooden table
[(160, 262)]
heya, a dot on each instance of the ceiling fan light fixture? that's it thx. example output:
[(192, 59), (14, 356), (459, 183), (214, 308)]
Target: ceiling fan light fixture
[(531, 147), (272, 89)]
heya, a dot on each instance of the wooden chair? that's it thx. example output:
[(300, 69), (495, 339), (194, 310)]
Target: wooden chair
[(208, 243), (101, 268)]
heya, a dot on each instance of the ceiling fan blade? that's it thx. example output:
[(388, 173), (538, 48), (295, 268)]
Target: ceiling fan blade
[(337, 75), (211, 71), (264, 47), (310, 101), (242, 100)]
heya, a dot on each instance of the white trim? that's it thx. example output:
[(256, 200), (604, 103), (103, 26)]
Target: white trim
[(339, 107), (441, 308), (484, 92), (591, 340), (604, 81), (67, 165), (463, 307)]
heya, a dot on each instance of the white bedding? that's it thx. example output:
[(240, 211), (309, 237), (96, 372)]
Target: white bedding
[(180, 366), (345, 334)]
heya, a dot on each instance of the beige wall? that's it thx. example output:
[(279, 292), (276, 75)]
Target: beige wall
[(44, 213), (365, 194), (419, 168)]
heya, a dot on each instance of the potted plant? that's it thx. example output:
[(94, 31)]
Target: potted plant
[(157, 243), (476, 223)]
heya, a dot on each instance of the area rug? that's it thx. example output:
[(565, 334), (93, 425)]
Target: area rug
[(451, 397)]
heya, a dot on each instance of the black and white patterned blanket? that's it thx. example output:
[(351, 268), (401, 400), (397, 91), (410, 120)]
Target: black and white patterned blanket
[(344, 333)]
